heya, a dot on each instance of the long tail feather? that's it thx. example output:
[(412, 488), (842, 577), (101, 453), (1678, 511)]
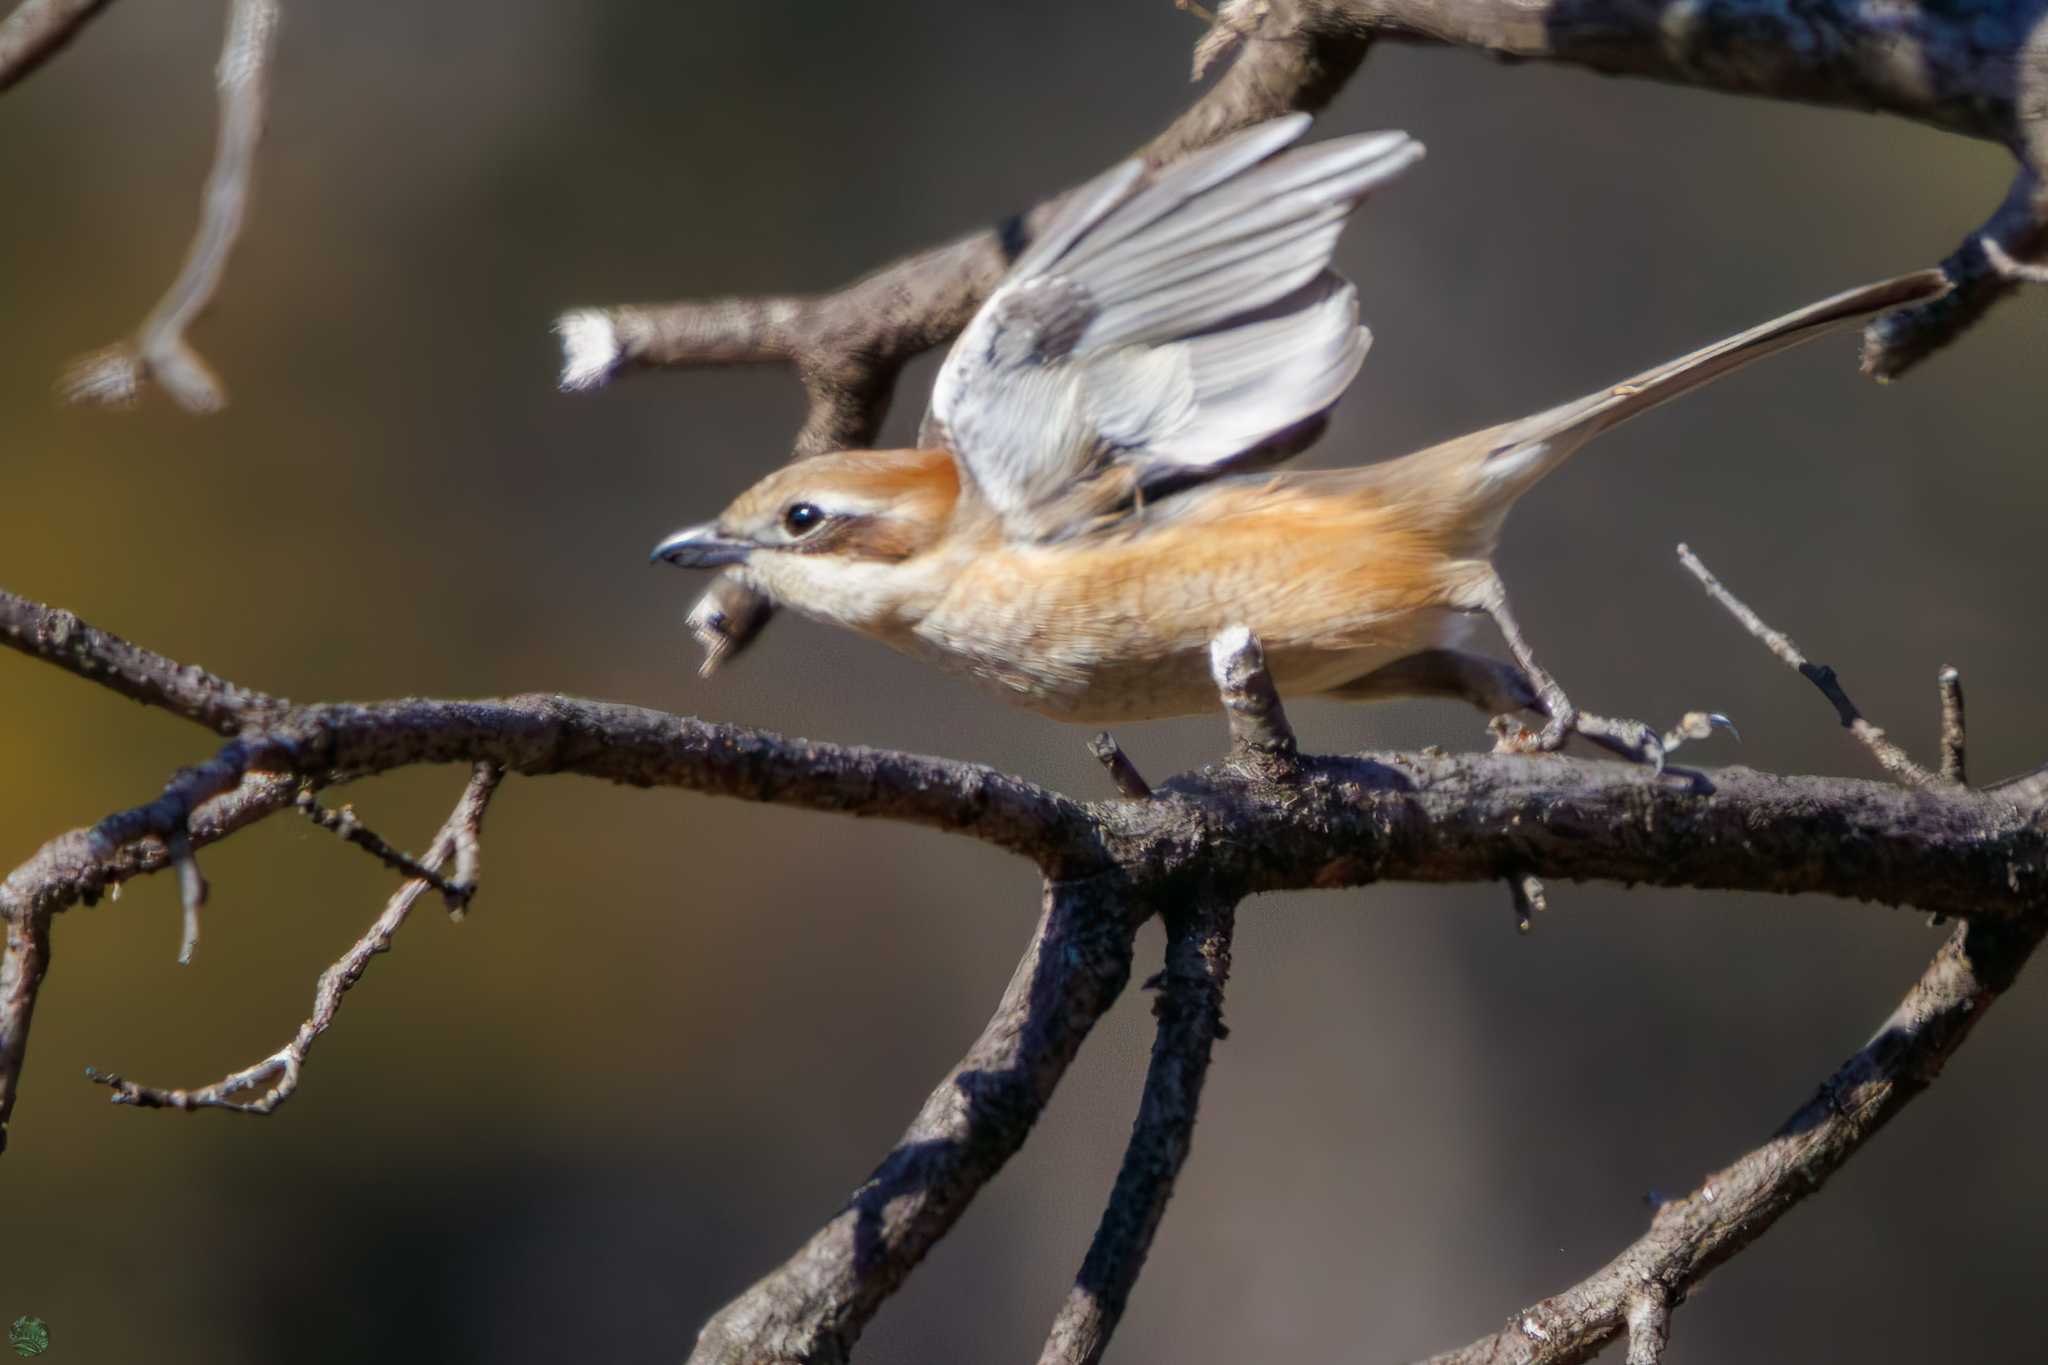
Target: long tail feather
[(1509, 459)]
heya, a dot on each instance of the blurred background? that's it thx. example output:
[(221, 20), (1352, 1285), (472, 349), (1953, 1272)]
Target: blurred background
[(675, 1032)]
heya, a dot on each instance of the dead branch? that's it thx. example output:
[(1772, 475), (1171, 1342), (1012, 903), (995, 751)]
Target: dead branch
[(1736, 1205), (1261, 739), (1954, 739), (57, 637), (1889, 756), (1689, 1237), (813, 1307), (1975, 70), (37, 30), (1123, 774), (287, 1064), (1189, 1008), (343, 824), (71, 870), (847, 347), (1266, 819), (158, 351), (1201, 843)]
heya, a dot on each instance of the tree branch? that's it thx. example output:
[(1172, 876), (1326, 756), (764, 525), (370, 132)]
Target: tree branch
[(70, 870), (847, 347), (287, 1064), (815, 1305), (158, 351), (1204, 839), (57, 637), (37, 30), (1735, 1206), (1889, 756), (1189, 1008), (1261, 739), (1972, 69)]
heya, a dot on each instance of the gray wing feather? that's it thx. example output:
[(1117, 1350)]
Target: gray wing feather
[(1174, 330)]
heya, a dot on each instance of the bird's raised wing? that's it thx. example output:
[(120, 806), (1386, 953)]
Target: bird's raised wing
[(1157, 336)]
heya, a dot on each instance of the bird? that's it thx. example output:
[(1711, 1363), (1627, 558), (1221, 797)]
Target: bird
[(1092, 498)]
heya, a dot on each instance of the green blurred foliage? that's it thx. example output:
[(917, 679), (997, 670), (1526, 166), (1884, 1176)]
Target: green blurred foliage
[(674, 1033)]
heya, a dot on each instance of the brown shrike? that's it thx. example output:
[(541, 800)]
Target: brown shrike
[(1089, 504)]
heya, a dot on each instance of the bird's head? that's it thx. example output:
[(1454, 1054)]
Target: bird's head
[(814, 533)]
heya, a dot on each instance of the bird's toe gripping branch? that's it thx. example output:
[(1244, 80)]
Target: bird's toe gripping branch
[(1539, 692)]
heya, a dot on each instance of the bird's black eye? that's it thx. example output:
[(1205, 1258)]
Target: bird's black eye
[(802, 518)]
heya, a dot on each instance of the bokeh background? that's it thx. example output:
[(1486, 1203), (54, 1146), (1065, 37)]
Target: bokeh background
[(675, 1032)]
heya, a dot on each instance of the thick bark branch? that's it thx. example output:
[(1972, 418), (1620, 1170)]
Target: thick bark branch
[(1338, 821), (814, 1306), (1189, 1008), (1735, 1206), (1978, 70), (1354, 821)]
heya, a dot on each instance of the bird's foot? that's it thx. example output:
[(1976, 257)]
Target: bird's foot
[(1630, 739)]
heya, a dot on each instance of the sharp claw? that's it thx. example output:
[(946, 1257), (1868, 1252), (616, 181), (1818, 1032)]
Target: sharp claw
[(1696, 725)]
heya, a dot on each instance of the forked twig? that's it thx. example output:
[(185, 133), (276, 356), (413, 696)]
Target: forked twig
[(158, 351), (1189, 1008), (344, 825), (282, 1069), (1890, 756)]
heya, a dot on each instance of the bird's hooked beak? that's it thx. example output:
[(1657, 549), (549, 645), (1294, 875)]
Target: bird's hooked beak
[(700, 547)]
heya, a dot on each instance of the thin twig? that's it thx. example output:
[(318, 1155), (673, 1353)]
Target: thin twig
[(192, 890), (848, 347), (285, 1066), (1890, 756), (37, 30), (1189, 1008), (1344, 821), (158, 351), (57, 637), (1261, 740), (73, 868), (2020, 272), (1122, 772), (344, 825), (1954, 737), (1525, 891)]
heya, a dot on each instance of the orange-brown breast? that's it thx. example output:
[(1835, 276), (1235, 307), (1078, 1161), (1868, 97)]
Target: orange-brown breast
[(1333, 577)]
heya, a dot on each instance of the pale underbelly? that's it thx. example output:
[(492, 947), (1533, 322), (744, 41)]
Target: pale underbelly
[(1109, 681)]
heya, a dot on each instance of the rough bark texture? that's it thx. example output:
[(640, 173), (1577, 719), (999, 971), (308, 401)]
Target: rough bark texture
[(813, 1307), (1267, 818), (1189, 1008)]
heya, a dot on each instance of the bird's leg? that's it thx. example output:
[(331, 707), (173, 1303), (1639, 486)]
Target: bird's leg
[(1447, 675), (1495, 688), (1631, 738)]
